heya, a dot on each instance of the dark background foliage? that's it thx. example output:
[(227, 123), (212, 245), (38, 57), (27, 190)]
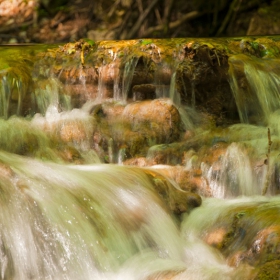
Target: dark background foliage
[(49, 21)]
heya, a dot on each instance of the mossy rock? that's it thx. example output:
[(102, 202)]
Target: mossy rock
[(269, 271)]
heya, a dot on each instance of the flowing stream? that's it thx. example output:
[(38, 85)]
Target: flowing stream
[(71, 209)]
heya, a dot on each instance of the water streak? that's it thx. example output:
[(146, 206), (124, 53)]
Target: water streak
[(128, 73), (51, 92), (5, 96)]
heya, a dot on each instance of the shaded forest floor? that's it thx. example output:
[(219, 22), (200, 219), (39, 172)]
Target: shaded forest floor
[(43, 21), (26, 23)]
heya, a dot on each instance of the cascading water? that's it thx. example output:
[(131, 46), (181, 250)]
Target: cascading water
[(59, 228), (234, 176), (128, 72), (5, 96), (259, 91), (71, 208), (93, 221)]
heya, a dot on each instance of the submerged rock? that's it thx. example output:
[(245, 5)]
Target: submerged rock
[(177, 200), (188, 180)]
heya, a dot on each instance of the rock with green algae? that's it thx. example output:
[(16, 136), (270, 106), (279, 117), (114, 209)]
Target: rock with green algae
[(20, 136), (176, 200), (189, 179), (135, 127), (201, 68), (246, 234)]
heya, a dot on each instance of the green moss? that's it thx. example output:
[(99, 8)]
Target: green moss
[(145, 42), (89, 41), (269, 271)]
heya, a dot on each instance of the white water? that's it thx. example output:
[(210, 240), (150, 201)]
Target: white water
[(99, 221), (93, 222)]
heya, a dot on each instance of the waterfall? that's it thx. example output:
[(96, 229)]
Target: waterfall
[(96, 185)]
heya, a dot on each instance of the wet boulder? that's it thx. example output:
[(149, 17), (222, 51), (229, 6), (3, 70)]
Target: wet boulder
[(136, 127), (159, 116)]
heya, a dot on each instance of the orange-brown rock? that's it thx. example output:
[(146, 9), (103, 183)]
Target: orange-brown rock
[(159, 116), (188, 180), (138, 161)]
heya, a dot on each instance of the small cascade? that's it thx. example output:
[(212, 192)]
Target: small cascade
[(174, 95), (82, 82), (219, 222), (116, 86), (264, 80), (115, 73), (178, 58), (128, 73), (12, 93), (5, 96), (232, 175), (16, 81), (255, 85), (166, 77), (74, 128), (111, 150), (166, 86), (187, 112), (50, 92), (20, 87), (162, 79), (101, 84), (109, 82), (121, 156)]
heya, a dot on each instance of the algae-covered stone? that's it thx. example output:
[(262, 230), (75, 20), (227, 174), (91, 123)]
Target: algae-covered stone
[(246, 233), (269, 271), (177, 200)]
